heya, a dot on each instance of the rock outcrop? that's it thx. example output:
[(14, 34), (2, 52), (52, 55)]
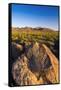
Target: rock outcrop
[(37, 65)]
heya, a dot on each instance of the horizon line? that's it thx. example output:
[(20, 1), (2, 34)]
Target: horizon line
[(34, 27)]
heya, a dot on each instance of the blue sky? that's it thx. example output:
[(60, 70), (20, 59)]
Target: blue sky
[(34, 16)]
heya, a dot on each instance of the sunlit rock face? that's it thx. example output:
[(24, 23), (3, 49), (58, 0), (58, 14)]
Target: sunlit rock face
[(22, 74), (33, 67)]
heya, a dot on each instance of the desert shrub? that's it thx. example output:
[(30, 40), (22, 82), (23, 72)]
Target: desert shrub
[(51, 39)]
